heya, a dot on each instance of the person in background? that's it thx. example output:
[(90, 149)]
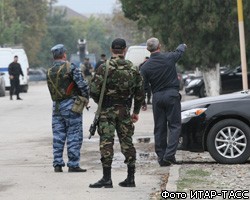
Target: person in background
[(87, 70), (101, 61), (160, 72), (15, 71)]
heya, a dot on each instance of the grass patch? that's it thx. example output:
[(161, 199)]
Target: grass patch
[(197, 173), (191, 178)]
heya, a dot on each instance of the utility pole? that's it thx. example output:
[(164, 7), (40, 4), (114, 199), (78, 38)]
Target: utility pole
[(242, 45)]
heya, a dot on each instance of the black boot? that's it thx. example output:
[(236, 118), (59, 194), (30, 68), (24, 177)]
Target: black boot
[(105, 181), (76, 169), (130, 180), (58, 169), (149, 102)]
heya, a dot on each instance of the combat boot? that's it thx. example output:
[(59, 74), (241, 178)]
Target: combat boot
[(106, 181), (130, 180)]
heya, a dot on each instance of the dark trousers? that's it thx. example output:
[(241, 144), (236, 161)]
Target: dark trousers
[(15, 87), (167, 119)]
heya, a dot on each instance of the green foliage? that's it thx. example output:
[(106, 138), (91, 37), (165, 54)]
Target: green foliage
[(128, 29), (209, 28), (11, 28), (32, 14), (69, 31), (22, 23), (97, 36), (37, 26)]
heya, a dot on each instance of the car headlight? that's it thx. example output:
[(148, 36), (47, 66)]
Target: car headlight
[(192, 113)]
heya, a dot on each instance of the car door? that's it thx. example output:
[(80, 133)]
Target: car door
[(231, 81)]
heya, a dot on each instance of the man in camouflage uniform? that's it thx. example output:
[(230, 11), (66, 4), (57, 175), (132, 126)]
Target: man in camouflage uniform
[(66, 84), (123, 83)]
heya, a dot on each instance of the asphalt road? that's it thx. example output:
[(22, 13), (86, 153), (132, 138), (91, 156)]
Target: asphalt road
[(26, 171)]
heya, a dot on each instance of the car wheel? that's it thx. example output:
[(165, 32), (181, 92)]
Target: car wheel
[(24, 88), (2, 92), (202, 92), (228, 141)]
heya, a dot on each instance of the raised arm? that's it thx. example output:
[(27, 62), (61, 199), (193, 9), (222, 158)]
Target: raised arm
[(79, 80)]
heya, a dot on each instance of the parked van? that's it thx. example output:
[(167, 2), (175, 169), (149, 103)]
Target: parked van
[(6, 57), (137, 54)]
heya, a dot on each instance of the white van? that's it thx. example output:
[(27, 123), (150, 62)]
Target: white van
[(6, 57), (137, 54)]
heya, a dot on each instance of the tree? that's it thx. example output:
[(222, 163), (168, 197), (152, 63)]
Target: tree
[(69, 31), (209, 28), (32, 15), (98, 39), (11, 28), (59, 31), (120, 26)]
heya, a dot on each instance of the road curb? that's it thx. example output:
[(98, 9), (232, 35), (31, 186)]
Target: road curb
[(173, 178), (174, 174)]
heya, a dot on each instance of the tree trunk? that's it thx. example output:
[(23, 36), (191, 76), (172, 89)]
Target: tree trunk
[(212, 81)]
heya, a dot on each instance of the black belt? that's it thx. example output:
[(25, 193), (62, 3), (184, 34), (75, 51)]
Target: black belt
[(109, 102), (166, 89)]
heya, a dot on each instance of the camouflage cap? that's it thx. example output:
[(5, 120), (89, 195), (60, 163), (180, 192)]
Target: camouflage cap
[(58, 50), (118, 43)]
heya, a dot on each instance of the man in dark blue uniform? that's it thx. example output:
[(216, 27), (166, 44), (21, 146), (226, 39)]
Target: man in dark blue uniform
[(160, 72), (15, 71)]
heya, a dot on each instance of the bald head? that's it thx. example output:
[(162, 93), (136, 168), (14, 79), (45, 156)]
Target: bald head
[(153, 44)]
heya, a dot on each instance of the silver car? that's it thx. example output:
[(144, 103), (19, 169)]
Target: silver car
[(2, 85)]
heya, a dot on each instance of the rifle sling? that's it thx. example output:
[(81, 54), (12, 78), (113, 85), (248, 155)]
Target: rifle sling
[(102, 91)]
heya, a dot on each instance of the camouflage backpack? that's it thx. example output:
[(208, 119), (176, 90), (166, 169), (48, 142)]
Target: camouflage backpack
[(122, 79)]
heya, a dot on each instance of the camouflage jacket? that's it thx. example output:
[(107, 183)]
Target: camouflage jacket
[(124, 82)]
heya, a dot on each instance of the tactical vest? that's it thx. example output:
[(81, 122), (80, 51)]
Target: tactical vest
[(60, 82)]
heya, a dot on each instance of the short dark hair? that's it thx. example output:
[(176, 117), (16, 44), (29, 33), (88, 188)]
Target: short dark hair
[(15, 56), (103, 55)]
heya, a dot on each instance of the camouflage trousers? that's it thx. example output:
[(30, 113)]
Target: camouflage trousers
[(117, 119), (66, 125)]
